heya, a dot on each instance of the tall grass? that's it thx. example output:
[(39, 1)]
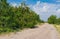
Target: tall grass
[(58, 28)]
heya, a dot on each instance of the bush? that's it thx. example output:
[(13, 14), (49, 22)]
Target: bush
[(14, 18), (58, 21), (52, 19)]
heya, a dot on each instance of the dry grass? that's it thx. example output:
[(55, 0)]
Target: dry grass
[(58, 28)]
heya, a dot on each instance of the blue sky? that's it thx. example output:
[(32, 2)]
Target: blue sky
[(44, 8), (34, 1)]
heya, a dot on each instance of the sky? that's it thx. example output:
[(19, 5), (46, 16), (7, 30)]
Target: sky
[(44, 8)]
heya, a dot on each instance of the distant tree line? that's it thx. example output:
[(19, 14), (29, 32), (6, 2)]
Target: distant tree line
[(15, 18), (53, 19)]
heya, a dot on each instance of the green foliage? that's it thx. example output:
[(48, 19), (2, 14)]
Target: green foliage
[(13, 18), (58, 21), (52, 19)]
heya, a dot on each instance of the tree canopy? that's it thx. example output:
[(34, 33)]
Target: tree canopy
[(53, 19), (14, 18)]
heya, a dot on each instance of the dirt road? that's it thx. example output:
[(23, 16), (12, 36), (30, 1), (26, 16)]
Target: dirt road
[(45, 31)]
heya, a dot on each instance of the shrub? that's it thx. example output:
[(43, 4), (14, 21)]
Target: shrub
[(52, 19), (14, 18)]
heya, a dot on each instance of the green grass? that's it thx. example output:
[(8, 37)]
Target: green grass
[(58, 28)]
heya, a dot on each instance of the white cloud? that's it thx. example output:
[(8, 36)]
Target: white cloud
[(45, 9), (14, 4), (58, 11)]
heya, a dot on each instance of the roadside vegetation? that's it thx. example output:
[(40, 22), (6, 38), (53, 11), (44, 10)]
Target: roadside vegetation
[(58, 28), (16, 18), (56, 21)]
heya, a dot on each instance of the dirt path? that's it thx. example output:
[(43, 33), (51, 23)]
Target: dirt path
[(45, 31)]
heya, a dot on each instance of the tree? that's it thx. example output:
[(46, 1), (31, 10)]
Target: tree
[(58, 21), (14, 18), (52, 19)]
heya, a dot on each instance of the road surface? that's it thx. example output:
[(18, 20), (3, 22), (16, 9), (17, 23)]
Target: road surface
[(45, 31)]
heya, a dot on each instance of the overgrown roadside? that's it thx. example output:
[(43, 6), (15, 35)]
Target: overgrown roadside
[(45, 31)]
